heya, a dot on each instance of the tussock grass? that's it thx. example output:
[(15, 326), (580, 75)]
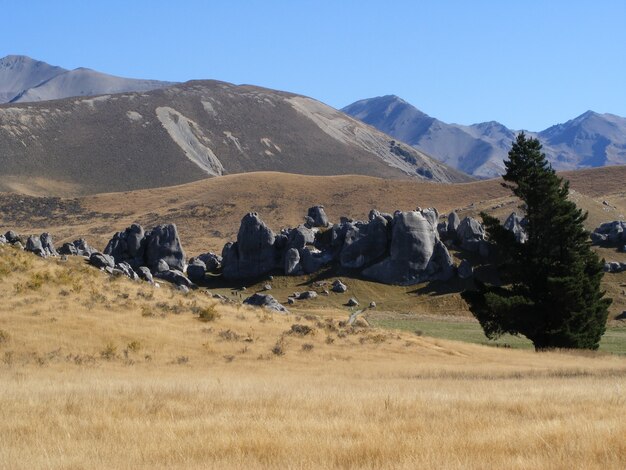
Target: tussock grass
[(99, 385)]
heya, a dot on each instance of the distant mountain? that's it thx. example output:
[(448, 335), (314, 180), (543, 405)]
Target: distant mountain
[(191, 131), (23, 79), (19, 73), (590, 140)]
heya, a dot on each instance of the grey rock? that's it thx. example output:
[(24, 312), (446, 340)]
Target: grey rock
[(128, 246), (163, 243), (267, 287), (161, 266), (196, 270), (453, 224), (47, 244), (470, 233), (372, 304), (100, 260), (292, 262), (266, 301), (33, 245), (313, 261), (465, 270), (621, 316), (253, 254), (352, 302), (77, 248), (416, 253), (182, 288), (12, 237), (611, 233), (339, 287), (144, 273), (175, 277), (316, 217), (3, 240), (431, 215), (364, 243), (127, 270), (310, 294), (211, 261), (514, 223), (374, 213)]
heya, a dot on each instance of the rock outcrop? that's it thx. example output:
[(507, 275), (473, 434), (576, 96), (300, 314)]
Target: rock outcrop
[(515, 224), (416, 253), (254, 253), (611, 234)]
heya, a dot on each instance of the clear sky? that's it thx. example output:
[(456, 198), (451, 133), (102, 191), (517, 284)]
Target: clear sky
[(526, 64)]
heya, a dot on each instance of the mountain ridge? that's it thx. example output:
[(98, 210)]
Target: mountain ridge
[(587, 141), (23, 79)]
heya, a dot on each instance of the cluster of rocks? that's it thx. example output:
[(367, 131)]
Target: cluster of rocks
[(614, 267), (141, 254), (610, 234), (403, 248)]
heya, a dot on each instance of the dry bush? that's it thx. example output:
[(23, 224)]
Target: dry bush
[(209, 313)]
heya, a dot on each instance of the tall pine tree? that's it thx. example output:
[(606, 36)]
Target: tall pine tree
[(551, 292)]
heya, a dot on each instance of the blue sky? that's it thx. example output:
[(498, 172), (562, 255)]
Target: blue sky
[(526, 64)]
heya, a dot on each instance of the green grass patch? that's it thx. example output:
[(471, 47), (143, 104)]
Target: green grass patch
[(613, 341)]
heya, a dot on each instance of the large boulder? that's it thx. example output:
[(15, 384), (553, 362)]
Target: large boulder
[(364, 243), (101, 260), (292, 262), (515, 224), (41, 245), (416, 253), (610, 233), (175, 277), (163, 243), (33, 245), (47, 244), (12, 237), (196, 270), (254, 253), (266, 301), (212, 261), (128, 246), (316, 217), (470, 234)]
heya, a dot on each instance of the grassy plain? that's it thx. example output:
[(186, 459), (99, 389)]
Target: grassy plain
[(99, 372)]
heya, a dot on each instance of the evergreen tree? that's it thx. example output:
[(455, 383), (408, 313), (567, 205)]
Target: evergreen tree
[(551, 283)]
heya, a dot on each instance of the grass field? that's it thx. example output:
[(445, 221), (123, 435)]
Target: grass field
[(613, 341), (102, 373)]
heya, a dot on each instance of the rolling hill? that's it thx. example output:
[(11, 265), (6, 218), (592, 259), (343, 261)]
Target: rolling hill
[(189, 132), (590, 140)]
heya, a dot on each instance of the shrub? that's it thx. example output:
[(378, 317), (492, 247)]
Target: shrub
[(209, 313)]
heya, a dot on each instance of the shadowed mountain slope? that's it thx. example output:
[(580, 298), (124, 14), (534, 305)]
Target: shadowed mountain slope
[(590, 140)]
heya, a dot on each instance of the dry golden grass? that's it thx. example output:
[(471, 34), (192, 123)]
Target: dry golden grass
[(106, 373)]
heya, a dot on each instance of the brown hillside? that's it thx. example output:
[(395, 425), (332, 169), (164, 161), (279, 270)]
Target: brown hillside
[(208, 212), (190, 132)]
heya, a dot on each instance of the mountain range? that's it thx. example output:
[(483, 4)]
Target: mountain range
[(23, 79), (590, 140)]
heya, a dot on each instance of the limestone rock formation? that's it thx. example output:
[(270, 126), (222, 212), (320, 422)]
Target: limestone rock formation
[(254, 253), (416, 253)]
